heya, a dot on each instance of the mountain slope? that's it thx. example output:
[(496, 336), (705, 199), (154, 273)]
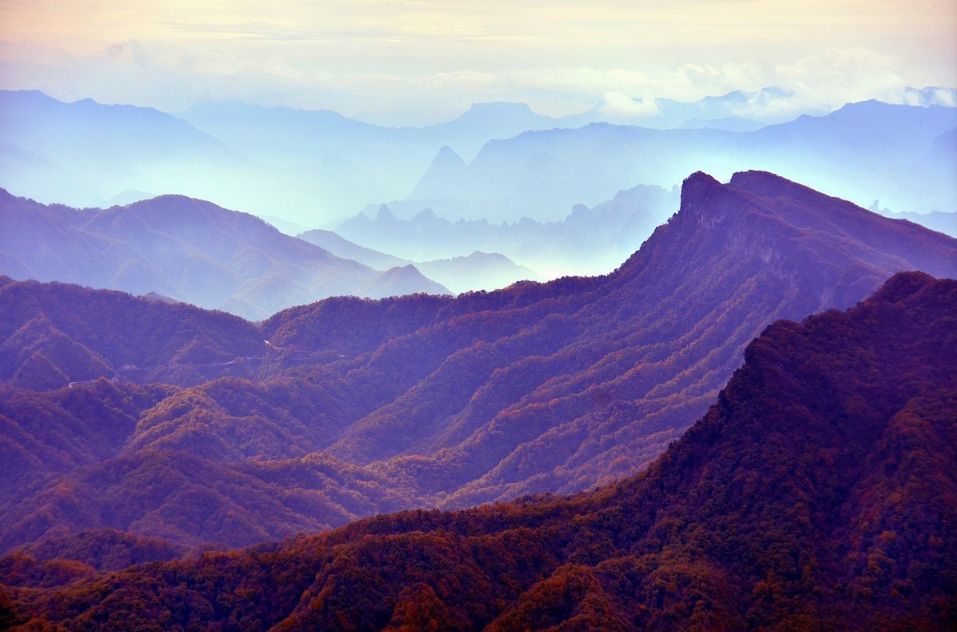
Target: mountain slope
[(818, 492), (621, 363), (186, 249), (587, 241), (118, 147), (477, 271), (53, 334), (342, 247), (361, 406)]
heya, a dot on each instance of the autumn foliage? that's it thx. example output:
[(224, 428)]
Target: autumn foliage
[(818, 492), (165, 421)]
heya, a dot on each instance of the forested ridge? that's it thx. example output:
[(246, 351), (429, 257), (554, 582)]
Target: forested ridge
[(163, 421), (818, 492)]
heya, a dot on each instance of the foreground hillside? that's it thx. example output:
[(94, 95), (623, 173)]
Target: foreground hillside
[(345, 408), (188, 250), (819, 492)]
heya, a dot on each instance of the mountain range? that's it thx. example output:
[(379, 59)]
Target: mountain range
[(310, 167), (347, 407), (477, 271), (85, 151), (188, 250), (586, 241), (819, 491), (861, 151)]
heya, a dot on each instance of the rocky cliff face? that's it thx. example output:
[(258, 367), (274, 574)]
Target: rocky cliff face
[(362, 406)]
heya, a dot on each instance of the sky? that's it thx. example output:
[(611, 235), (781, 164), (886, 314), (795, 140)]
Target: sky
[(414, 62)]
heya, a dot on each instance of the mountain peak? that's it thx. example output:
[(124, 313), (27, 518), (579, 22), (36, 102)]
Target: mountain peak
[(425, 214), (447, 166), (697, 188), (446, 158), (902, 286), (384, 214), (763, 181)]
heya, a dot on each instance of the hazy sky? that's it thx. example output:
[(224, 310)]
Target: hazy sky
[(414, 61)]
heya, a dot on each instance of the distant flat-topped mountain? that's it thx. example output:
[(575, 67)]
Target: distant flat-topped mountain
[(477, 271), (310, 166), (184, 249), (355, 406), (818, 492), (862, 151)]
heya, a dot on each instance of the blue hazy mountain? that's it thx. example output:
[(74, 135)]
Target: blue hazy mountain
[(476, 271), (188, 250), (385, 162), (897, 153), (311, 166), (587, 241), (81, 151)]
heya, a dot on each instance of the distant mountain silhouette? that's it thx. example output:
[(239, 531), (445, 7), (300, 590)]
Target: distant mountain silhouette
[(310, 167), (861, 151), (342, 247), (86, 151), (818, 492), (354, 406), (477, 271), (373, 162), (587, 241), (447, 165), (185, 249)]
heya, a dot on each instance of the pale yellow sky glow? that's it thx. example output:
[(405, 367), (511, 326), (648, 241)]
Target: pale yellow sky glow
[(407, 61)]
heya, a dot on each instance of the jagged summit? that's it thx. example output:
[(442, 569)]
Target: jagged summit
[(426, 214), (446, 166), (696, 186), (384, 214), (438, 401), (446, 157)]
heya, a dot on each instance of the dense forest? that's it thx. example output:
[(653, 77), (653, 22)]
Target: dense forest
[(818, 492), (197, 428)]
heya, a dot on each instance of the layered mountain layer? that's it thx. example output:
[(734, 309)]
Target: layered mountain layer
[(464, 273), (901, 155), (587, 241), (349, 407), (188, 250), (819, 492)]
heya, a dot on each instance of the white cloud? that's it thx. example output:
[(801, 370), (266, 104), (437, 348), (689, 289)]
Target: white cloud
[(616, 105), (172, 78)]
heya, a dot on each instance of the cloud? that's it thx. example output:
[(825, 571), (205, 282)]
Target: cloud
[(130, 50), (172, 78), (616, 105)]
